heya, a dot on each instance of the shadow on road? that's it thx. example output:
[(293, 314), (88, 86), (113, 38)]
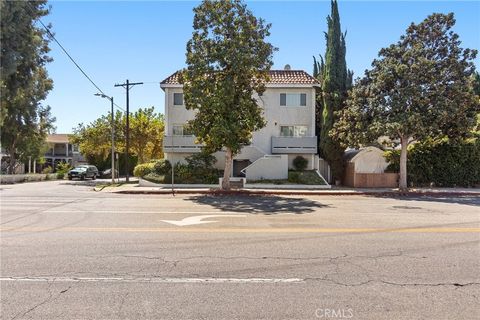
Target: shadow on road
[(470, 200), (258, 204)]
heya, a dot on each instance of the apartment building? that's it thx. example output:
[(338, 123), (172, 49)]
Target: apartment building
[(288, 105)]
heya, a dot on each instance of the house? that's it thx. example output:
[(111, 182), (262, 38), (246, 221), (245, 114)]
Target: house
[(365, 168), (288, 105), (61, 150), (5, 165)]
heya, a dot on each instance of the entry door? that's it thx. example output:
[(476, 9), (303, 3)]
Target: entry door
[(238, 165)]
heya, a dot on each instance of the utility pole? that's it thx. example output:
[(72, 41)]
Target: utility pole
[(127, 86), (112, 133)]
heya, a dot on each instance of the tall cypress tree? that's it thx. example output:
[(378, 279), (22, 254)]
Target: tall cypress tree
[(335, 79)]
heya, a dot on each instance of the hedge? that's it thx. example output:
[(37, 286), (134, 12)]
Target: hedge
[(143, 169), (198, 169), (441, 163)]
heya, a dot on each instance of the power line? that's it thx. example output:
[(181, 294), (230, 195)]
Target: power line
[(69, 56)]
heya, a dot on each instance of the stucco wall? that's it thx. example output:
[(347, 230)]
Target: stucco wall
[(275, 115), (177, 157), (310, 158), (269, 167)]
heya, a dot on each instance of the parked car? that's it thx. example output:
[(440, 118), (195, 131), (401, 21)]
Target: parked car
[(107, 174), (83, 172)]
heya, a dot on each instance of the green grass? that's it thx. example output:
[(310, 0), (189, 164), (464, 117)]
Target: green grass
[(308, 177)]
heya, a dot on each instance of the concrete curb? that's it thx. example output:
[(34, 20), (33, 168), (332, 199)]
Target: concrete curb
[(300, 192)]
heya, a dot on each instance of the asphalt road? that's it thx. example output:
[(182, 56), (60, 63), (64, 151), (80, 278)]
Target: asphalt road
[(68, 252)]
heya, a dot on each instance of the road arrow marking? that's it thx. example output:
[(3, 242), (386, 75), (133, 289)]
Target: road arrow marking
[(198, 219)]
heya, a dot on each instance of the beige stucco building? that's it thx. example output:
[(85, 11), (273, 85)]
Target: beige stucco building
[(288, 105)]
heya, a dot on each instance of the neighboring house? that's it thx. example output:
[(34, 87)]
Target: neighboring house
[(18, 167), (61, 150), (288, 105)]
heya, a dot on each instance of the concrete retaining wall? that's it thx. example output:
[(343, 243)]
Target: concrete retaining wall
[(19, 178), (268, 167)]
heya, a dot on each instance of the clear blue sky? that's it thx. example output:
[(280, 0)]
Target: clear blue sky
[(145, 41)]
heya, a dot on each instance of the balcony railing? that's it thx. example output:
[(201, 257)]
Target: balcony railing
[(294, 145), (59, 154), (180, 144)]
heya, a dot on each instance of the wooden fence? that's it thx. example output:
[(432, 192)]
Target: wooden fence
[(369, 180)]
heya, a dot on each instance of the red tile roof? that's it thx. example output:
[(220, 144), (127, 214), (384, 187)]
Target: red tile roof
[(276, 77), (57, 138)]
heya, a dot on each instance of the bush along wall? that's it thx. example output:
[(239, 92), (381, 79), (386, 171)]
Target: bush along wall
[(440, 163), (198, 169)]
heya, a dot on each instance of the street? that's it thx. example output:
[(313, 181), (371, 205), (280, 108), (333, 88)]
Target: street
[(68, 252)]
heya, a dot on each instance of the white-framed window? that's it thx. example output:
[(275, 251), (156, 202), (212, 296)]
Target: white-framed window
[(75, 148), (178, 99), (181, 130), (293, 99), (293, 131)]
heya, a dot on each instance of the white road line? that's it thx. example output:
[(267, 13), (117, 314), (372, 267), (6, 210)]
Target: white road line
[(152, 280), (144, 211)]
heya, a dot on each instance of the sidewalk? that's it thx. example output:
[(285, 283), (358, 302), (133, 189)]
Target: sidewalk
[(135, 189)]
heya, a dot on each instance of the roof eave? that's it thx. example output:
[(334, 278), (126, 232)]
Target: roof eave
[(170, 85), (291, 85)]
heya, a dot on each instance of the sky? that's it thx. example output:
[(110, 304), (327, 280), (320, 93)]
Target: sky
[(145, 41)]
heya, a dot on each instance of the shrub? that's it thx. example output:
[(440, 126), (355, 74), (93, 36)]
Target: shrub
[(198, 169), (201, 160), (162, 167), (293, 177), (47, 170), (143, 169), (443, 163), (300, 163), (62, 169)]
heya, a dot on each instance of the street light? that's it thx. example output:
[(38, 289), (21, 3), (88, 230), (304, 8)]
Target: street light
[(113, 134)]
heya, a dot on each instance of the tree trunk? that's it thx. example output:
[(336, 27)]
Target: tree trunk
[(13, 160), (228, 170), (403, 164)]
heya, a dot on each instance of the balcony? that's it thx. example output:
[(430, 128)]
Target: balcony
[(59, 154), (182, 144), (285, 145)]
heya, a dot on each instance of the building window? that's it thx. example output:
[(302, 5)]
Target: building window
[(75, 147), (293, 99), (178, 99), (293, 131), (182, 130)]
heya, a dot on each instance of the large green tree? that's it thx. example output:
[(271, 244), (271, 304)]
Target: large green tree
[(476, 90), (146, 136), (419, 87), (24, 81), (335, 79), (227, 62)]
